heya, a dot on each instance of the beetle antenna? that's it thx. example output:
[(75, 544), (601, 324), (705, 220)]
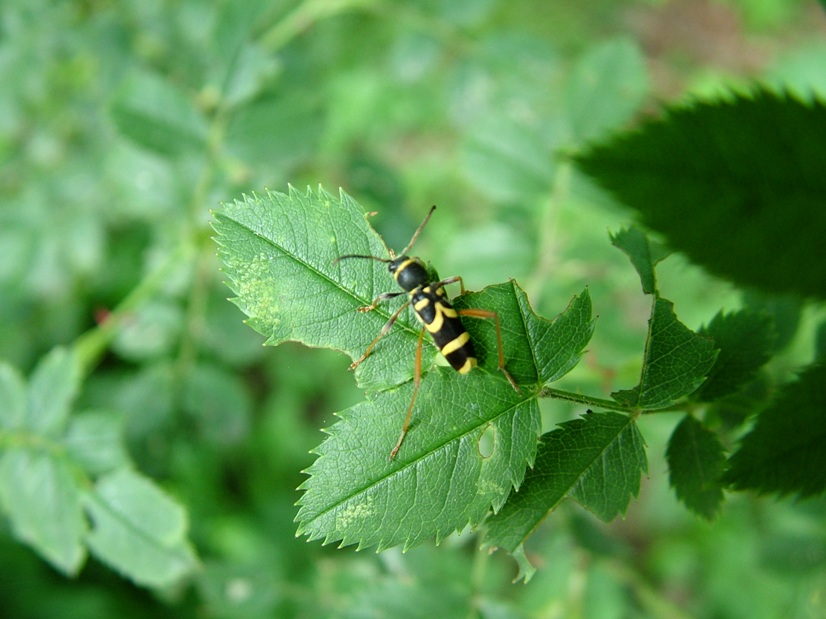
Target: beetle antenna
[(336, 261), (418, 230)]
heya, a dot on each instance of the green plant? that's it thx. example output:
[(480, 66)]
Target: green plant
[(150, 447), (279, 251)]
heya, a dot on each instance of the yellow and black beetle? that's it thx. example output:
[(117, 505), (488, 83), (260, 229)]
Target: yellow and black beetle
[(432, 307)]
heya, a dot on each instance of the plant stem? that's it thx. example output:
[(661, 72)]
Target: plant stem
[(578, 398), (90, 346)]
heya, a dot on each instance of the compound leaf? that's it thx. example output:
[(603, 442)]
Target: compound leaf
[(471, 437), (675, 363)]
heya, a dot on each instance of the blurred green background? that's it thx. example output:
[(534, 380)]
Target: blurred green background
[(123, 122)]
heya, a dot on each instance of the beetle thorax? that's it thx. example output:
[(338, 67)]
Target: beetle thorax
[(409, 273)]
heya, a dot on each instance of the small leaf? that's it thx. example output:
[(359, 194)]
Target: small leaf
[(279, 252), (676, 361), (537, 350), (12, 398), (746, 342), (784, 453), (39, 494), (644, 254), (138, 530), (596, 459), (52, 390), (439, 483), (736, 184), (695, 461), (94, 440), (155, 114)]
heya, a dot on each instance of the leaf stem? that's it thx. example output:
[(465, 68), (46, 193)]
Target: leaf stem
[(303, 17), (90, 346), (578, 398)]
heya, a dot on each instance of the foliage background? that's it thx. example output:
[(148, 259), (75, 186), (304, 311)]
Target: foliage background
[(122, 124)]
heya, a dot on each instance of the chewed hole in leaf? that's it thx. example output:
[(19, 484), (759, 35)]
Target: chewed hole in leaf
[(487, 441)]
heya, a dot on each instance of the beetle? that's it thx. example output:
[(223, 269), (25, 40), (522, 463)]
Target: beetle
[(439, 318)]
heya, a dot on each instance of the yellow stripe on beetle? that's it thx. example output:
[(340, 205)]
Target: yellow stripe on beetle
[(455, 344)]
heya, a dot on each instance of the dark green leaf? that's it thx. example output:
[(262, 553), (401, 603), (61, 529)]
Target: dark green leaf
[(746, 342), (676, 361), (785, 311), (596, 459), (736, 184), (695, 461), (820, 343), (644, 255), (784, 452), (39, 493)]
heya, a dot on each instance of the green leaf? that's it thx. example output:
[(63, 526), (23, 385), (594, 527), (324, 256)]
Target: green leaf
[(736, 184), (695, 461), (440, 481), (138, 530), (94, 440), (41, 498), (279, 251), (12, 398), (52, 389), (607, 86), (784, 453), (155, 114), (675, 363), (746, 342), (537, 351), (596, 460), (644, 255)]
